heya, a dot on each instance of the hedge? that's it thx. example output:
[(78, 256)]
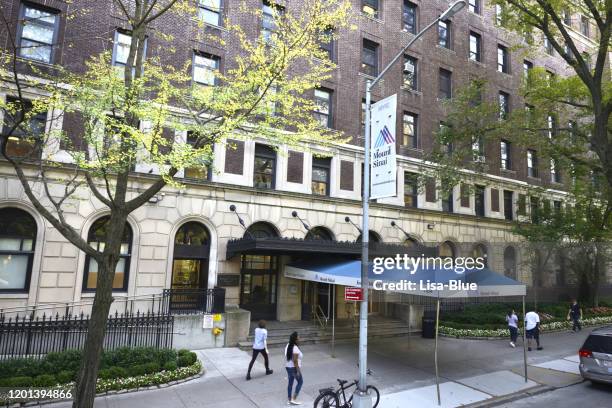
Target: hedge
[(62, 367)]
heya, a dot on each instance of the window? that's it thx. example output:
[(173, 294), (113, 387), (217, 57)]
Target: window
[(204, 68), (121, 50), (265, 167), (475, 47), (409, 17), (505, 152), (320, 176), (444, 129), (532, 163), (327, 43), (37, 33), (557, 207), (504, 105), (448, 203), (535, 209), (502, 59), (209, 11), (323, 106), (410, 190), (479, 201), (410, 72), (567, 18), (555, 175), (474, 6), (17, 241), (270, 11), (370, 7), (444, 34), (585, 26), (409, 130), (548, 46), (96, 238), (445, 84), (527, 67), (478, 149), (499, 15), (508, 210), (22, 140), (201, 172), (369, 58)]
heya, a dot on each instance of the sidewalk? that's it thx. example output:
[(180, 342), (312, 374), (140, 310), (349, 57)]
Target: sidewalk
[(471, 371)]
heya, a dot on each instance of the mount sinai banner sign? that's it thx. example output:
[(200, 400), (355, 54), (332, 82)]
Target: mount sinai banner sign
[(383, 164)]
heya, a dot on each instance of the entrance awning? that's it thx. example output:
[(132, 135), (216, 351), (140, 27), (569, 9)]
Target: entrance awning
[(423, 282)]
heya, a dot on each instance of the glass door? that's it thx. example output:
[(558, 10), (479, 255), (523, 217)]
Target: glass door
[(259, 285)]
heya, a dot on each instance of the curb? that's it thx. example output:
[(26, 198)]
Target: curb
[(504, 399)]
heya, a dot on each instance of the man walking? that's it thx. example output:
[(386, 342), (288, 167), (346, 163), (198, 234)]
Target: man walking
[(532, 329), (575, 314)]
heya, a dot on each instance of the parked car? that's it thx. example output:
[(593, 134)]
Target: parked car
[(596, 356)]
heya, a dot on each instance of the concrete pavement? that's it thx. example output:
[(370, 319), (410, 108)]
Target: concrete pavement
[(472, 372), (583, 394)]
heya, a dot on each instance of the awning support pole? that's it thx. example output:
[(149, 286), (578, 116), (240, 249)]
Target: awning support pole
[(333, 353), (436, 351), (525, 340)]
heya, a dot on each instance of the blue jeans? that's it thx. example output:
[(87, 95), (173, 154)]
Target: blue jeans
[(293, 374)]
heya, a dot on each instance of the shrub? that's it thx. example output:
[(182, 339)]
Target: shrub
[(65, 376), (170, 366), (151, 368), (136, 370), (44, 380), (113, 372), (186, 358), (21, 381)]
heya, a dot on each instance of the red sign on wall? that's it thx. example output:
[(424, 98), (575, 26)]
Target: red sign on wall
[(353, 294)]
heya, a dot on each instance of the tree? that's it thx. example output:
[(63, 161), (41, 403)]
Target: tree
[(263, 93), (590, 92)]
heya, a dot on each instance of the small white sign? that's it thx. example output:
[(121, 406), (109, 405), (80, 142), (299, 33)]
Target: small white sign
[(383, 162), (207, 322)]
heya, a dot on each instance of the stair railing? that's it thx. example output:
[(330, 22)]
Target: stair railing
[(320, 317)]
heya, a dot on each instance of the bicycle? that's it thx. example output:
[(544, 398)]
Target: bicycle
[(328, 398)]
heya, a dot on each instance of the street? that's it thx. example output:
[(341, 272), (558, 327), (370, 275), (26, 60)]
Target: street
[(583, 394)]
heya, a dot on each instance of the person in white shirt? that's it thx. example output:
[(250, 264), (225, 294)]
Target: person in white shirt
[(512, 320), (293, 365), (260, 345), (532, 329)]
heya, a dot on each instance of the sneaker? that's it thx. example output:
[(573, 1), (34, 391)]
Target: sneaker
[(528, 348), (248, 377), (268, 372), (512, 344), (295, 402), (540, 348)]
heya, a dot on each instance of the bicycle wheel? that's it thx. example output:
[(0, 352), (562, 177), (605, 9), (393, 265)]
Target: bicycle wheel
[(373, 392), (328, 399)]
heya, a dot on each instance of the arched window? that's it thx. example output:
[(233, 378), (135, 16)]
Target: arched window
[(96, 238), (192, 233), (447, 250), (261, 230), (411, 243), (480, 251), (191, 253), (510, 262), (372, 237), (320, 233), (17, 239)]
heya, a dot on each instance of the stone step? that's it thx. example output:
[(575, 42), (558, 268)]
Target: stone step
[(316, 330)]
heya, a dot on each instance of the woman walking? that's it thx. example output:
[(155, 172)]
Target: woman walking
[(293, 357), (512, 320), (260, 345)]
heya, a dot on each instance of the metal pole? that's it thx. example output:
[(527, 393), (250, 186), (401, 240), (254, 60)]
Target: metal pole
[(525, 341), (333, 354), (436, 352)]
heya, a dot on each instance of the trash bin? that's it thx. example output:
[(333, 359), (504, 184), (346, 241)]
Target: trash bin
[(429, 328)]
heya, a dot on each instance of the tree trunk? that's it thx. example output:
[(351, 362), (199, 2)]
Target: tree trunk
[(85, 392)]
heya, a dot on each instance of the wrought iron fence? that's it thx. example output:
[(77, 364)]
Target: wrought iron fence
[(36, 336), (186, 301)]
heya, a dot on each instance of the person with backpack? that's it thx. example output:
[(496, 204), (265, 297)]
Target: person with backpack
[(293, 358), (260, 345), (512, 320)]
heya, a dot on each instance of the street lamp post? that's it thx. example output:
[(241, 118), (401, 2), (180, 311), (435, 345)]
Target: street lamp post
[(361, 399)]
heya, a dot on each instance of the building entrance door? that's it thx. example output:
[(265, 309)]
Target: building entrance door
[(259, 286)]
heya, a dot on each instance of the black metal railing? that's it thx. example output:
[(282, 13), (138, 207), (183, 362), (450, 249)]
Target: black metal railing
[(36, 336), (187, 301)]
